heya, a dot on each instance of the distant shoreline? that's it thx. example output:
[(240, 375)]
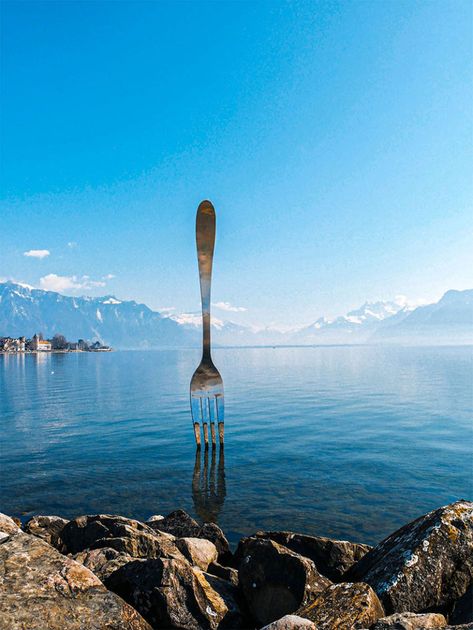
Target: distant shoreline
[(56, 351)]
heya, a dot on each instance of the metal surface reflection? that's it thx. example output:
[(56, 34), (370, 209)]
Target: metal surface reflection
[(206, 388), (208, 484)]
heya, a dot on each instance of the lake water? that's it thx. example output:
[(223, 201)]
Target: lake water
[(349, 442)]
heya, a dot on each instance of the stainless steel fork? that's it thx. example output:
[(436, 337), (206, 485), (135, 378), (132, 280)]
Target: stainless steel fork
[(206, 389)]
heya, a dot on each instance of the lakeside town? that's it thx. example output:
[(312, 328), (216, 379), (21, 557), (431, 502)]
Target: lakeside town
[(57, 344)]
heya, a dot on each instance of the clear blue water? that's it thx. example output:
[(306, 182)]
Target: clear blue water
[(349, 442)]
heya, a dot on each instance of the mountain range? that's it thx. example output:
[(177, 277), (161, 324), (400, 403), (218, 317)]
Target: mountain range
[(124, 324)]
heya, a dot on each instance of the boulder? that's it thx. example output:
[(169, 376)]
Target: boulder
[(125, 535), (178, 523), (463, 608), (226, 573), (290, 622), (169, 594), (48, 528), (332, 557), (102, 562), (274, 580), (8, 525), (41, 588), (236, 617), (199, 551), (154, 518), (182, 525), (410, 621), (344, 605), (425, 565)]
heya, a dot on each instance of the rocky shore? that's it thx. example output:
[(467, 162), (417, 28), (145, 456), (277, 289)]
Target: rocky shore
[(110, 572)]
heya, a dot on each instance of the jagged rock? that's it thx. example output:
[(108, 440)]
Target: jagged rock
[(8, 525), (48, 528), (463, 608), (274, 580), (236, 616), (332, 557), (344, 605), (40, 588), (424, 565), (154, 518), (178, 523), (182, 525), (169, 593), (103, 562), (226, 573), (410, 621), (291, 622), (125, 535), (199, 551)]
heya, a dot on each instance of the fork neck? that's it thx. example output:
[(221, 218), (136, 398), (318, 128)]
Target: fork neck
[(206, 335)]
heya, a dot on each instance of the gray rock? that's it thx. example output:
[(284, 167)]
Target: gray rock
[(344, 605), (463, 608), (425, 565), (169, 594), (125, 535), (182, 525), (102, 562), (410, 621), (199, 551), (290, 622), (274, 580), (42, 589), (154, 518), (48, 528), (8, 525), (332, 557)]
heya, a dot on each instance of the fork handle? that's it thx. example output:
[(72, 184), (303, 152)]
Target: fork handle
[(205, 238)]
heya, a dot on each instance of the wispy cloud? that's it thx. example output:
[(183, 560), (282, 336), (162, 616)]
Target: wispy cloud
[(54, 282), (166, 309), (109, 276), (226, 306), (72, 244), (37, 253)]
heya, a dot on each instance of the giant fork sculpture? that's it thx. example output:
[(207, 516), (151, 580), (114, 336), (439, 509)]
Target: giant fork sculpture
[(206, 390)]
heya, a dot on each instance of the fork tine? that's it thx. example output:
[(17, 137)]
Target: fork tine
[(211, 408), (219, 407), (197, 434)]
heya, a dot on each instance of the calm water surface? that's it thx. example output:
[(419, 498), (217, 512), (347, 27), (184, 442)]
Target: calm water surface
[(340, 441)]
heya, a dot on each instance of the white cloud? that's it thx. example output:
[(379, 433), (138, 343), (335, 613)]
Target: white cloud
[(53, 282), (37, 253), (72, 244), (166, 309), (109, 276), (226, 306)]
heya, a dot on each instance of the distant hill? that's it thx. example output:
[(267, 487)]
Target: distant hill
[(127, 324)]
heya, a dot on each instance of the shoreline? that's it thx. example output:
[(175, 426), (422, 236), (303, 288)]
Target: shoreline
[(173, 572)]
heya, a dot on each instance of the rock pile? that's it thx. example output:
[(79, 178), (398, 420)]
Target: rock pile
[(109, 572)]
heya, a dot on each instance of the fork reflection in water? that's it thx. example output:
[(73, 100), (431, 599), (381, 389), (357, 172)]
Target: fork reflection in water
[(208, 484)]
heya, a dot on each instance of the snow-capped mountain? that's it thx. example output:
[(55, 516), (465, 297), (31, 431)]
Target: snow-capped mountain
[(356, 326), (123, 324), (127, 324), (448, 321)]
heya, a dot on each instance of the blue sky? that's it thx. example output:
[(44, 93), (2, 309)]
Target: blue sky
[(333, 138)]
